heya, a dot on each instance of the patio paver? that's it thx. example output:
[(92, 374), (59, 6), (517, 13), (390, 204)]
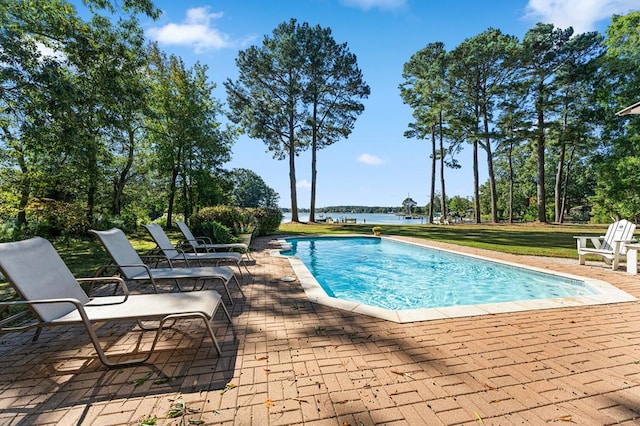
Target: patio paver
[(293, 362)]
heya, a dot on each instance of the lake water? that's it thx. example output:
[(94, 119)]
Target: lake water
[(370, 218)]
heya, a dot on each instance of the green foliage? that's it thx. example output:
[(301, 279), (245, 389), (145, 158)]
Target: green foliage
[(267, 220), (249, 190), (225, 215), (215, 230), (126, 222), (264, 221)]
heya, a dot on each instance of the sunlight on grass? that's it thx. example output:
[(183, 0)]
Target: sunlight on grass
[(526, 239)]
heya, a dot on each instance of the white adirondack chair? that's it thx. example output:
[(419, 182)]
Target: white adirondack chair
[(610, 246)]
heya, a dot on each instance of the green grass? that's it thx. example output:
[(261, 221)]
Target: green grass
[(527, 239)]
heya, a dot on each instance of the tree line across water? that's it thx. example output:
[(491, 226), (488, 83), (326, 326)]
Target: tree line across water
[(97, 125)]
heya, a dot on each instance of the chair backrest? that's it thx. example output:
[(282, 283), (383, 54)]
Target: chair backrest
[(121, 251), (621, 230), (186, 232), (162, 240), (37, 272)]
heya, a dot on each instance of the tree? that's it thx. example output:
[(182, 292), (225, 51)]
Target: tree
[(513, 131), (300, 89), (575, 128), (616, 163), (426, 90), (267, 99), (408, 204), (545, 49), (191, 143), (249, 190), (334, 86), (480, 68)]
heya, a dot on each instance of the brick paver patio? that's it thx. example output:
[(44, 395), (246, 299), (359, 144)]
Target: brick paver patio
[(292, 362)]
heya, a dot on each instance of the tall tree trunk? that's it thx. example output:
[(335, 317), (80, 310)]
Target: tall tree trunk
[(433, 173), (540, 146), (557, 196), (92, 189), (476, 178), (292, 174), (492, 178), (119, 184), (172, 197), (557, 189), (565, 185), (511, 182), (175, 172), (314, 153), (443, 201)]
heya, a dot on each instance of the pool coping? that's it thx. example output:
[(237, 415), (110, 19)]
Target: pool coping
[(315, 293)]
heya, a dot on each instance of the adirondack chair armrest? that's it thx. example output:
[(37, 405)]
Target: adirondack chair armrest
[(581, 241)]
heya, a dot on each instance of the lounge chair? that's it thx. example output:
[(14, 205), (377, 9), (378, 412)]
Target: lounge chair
[(49, 289), (204, 244), (173, 254), (132, 268), (611, 246)]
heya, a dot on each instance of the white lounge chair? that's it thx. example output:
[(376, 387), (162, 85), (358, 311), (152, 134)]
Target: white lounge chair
[(173, 254), (55, 297), (204, 244), (611, 246), (132, 268)]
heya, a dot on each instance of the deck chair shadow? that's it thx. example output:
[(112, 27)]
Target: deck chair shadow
[(205, 244), (173, 254), (133, 269), (611, 247), (47, 286)]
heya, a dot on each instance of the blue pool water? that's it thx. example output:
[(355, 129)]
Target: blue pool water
[(395, 275)]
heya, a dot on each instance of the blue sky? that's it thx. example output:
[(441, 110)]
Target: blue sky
[(376, 165)]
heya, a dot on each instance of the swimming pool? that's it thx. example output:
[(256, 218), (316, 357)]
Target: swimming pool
[(406, 282)]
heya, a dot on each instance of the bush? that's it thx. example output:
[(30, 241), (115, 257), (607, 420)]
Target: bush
[(218, 233), (225, 215), (267, 220), (128, 222)]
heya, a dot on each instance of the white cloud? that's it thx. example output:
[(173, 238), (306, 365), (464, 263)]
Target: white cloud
[(370, 159), (196, 31), (375, 4), (582, 15), (303, 184)]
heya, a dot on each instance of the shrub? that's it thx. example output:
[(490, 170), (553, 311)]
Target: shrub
[(225, 215), (218, 232), (267, 220)]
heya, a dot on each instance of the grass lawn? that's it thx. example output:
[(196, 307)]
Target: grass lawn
[(528, 239)]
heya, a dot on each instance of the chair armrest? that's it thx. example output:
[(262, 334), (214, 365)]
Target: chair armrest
[(119, 281), (204, 240), (146, 267), (581, 241), (78, 305)]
